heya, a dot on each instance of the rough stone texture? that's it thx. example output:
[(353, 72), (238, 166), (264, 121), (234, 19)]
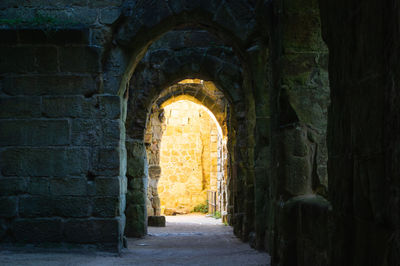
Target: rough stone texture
[(157, 221), (304, 231), (363, 131), (81, 105), (78, 80), (188, 157), (56, 127)]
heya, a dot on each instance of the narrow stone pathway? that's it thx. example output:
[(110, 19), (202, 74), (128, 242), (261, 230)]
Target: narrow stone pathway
[(186, 240), (195, 240)]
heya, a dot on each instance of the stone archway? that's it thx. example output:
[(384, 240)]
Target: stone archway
[(218, 64)]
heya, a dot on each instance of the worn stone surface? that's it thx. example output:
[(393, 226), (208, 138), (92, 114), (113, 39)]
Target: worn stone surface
[(188, 157), (78, 80), (60, 136), (157, 221), (185, 240), (363, 131)]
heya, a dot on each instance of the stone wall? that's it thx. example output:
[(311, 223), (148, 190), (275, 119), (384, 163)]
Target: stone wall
[(78, 81), (157, 124), (188, 157), (60, 142), (299, 104), (363, 133)]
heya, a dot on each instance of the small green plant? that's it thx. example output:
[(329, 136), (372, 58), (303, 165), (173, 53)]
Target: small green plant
[(226, 223), (217, 215), (15, 21), (43, 20), (203, 208)]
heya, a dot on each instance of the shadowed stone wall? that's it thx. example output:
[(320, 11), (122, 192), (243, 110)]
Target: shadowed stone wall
[(88, 73), (298, 211), (78, 80), (363, 132), (60, 141)]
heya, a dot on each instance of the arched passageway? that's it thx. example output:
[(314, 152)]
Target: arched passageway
[(75, 101), (187, 150), (160, 68)]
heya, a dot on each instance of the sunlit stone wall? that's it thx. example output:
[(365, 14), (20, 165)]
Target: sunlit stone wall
[(188, 157)]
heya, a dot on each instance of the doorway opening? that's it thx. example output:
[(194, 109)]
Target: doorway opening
[(186, 144)]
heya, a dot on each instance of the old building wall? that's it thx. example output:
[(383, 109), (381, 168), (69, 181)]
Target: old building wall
[(188, 157), (363, 131), (297, 230), (60, 141), (167, 61), (79, 80), (157, 124)]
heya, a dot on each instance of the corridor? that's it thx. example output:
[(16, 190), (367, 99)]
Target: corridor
[(186, 240)]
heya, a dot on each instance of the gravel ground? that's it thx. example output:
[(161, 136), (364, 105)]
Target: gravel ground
[(186, 240)]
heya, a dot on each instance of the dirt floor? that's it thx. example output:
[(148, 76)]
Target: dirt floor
[(186, 240)]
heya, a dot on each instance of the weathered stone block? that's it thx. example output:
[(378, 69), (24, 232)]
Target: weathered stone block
[(72, 206), (295, 141), (68, 186), (149, 17), (86, 132), (81, 15), (51, 85), (298, 176), (71, 106), (95, 132), (12, 185), (157, 221), (38, 186), (136, 159), (110, 106), (154, 171), (109, 15), (101, 37), (19, 107), (92, 230), (8, 207), (36, 206), (105, 3), (12, 13), (80, 107), (34, 132), (106, 207), (44, 161), (111, 132), (136, 220), (89, 59), (17, 59), (138, 184), (106, 186), (136, 197), (107, 161), (38, 230), (46, 59)]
